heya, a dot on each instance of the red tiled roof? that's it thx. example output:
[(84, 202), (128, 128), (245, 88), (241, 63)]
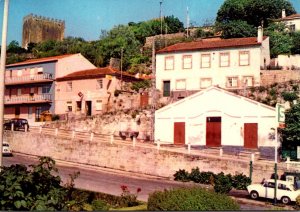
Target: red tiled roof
[(290, 17), (40, 60), (211, 44), (94, 73)]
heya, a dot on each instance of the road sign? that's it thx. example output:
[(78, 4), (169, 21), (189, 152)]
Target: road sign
[(280, 113)]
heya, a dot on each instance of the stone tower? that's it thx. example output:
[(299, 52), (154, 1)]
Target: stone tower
[(37, 29)]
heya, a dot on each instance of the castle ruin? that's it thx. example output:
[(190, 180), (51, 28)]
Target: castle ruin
[(38, 28)]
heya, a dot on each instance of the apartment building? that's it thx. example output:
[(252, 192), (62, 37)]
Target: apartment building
[(184, 68), (292, 22), (90, 92), (30, 86)]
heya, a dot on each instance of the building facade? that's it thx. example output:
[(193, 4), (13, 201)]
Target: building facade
[(90, 92), (30, 86), (185, 68), (217, 118), (37, 29), (292, 22)]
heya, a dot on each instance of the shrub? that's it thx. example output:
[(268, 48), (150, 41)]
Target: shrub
[(195, 175), (240, 181), (298, 201), (128, 199), (289, 96), (207, 178), (222, 183), (99, 205), (181, 175), (190, 199)]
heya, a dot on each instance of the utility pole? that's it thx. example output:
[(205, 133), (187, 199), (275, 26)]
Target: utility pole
[(121, 68), (161, 27), (2, 73), (187, 22), (153, 92)]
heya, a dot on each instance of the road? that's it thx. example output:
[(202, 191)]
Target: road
[(109, 181)]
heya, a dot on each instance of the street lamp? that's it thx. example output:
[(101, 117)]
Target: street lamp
[(2, 73)]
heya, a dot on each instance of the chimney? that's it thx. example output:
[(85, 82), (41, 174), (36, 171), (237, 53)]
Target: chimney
[(259, 34), (283, 15)]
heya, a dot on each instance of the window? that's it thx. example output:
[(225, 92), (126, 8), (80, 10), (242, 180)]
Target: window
[(69, 106), (78, 106), (244, 58), (30, 112), (40, 70), (205, 82), (248, 81), (224, 59), (69, 86), (169, 63), (166, 88), (46, 89), (180, 84), (205, 60), (232, 82), (292, 27), (187, 61), (99, 84), (19, 73), (98, 104), (19, 92)]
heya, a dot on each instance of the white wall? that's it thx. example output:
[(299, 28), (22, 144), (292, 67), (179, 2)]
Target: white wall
[(288, 61), (218, 74)]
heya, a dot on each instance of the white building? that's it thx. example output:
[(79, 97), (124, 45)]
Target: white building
[(292, 22), (187, 67), (215, 117)]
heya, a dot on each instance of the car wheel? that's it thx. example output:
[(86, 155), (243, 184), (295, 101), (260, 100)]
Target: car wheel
[(285, 200), (254, 195)]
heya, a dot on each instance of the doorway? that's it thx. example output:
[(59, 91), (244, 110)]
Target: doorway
[(250, 135), (88, 108), (213, 131), (17, 112), (179, 133)]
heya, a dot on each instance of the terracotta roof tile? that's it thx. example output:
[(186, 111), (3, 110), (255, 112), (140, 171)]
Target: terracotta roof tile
[(211, 44), (290, 17), (40, 60), (94, 73)]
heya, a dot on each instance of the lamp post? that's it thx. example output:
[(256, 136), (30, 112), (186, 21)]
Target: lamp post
[(2, 73)]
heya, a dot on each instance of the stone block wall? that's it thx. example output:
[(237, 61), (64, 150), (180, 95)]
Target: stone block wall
[(138, 159), (269, 77)]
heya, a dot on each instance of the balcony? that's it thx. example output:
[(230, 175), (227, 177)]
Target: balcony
[(29, 79), (27, 99)]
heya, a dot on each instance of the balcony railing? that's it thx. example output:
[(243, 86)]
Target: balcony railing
[(29, 78), (39, 98)]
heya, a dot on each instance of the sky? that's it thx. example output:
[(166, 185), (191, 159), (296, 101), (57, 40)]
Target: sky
[(86, 18)]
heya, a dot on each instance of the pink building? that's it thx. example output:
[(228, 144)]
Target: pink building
[(89, 92), (30, 86)]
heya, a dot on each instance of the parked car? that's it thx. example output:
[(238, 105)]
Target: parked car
[(19, 124), (6, 150), (286, 191)]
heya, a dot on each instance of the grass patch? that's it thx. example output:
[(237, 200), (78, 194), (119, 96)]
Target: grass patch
[(142, 207)]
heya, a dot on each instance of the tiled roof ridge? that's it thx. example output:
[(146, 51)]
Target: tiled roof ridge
[(213, 44), (40, 60)]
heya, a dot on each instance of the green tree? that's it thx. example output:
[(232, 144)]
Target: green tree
[(236, 29), (292, 120), (253, 12), (280, 40), (296, 43), (14, 47)]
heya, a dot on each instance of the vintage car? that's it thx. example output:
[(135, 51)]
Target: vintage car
[(286, 191), (17, 123), (6, 150)]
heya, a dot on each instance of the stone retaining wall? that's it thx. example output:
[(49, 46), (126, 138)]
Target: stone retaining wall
[(125, 157)]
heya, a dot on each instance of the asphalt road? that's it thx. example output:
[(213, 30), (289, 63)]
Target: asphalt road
[(109, 181)]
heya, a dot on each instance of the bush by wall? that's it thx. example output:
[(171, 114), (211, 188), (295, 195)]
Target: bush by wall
[(222, 183), (190, 199)]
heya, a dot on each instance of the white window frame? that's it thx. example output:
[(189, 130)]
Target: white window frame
[(187, 61), (69, 106), (224, 59), (244, 61), (99, 105), (204, 84), (169, 63), (204, 63), (232, 82), (248, 81)]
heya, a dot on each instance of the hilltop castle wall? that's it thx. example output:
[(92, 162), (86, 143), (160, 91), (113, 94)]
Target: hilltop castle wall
[(38, 28)]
